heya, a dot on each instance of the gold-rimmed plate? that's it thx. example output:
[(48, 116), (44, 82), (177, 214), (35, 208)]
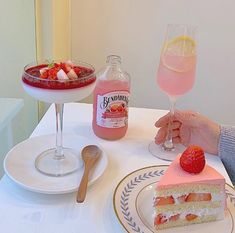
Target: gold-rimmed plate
[(133, 205)]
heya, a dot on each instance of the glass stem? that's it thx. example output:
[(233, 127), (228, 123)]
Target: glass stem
[(59, 154), (168, 144)]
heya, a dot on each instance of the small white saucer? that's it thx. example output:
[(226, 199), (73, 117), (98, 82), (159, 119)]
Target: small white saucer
[(19, 165)]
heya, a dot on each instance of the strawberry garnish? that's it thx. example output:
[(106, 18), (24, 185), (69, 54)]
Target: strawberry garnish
[(193, 159), (52, 73), (52, 69), (77, 70), (65, 67), (47, 74), (164, 201), (44, 73)]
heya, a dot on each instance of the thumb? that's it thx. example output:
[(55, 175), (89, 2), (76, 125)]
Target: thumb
[(187, 117)]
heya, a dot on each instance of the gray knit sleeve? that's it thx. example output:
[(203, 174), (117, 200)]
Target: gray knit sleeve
[(227, 150)]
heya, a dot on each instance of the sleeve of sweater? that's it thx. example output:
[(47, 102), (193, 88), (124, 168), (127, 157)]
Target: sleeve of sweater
[(227, 150)]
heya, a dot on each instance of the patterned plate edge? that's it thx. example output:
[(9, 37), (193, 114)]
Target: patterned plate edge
[(126, 195)]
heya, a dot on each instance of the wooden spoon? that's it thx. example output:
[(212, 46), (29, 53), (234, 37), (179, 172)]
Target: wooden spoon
[(90, 155)]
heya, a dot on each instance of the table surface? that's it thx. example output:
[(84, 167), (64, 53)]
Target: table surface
[(23, 211)]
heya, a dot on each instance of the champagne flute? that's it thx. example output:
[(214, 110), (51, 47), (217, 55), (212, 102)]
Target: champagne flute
[(175, 77)]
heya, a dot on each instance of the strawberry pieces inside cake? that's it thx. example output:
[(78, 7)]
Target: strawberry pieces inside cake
[(189, 192)]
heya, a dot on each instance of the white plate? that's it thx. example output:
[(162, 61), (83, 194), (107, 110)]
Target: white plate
[(19, 165), (133, 205)]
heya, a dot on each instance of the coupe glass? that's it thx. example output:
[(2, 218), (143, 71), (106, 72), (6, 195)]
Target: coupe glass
[(58, 161), (175, 77)]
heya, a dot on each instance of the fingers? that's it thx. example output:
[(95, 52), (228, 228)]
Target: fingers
[(177, 140), (175, 125), (162, 132), (161, 135), (164, 121), (159, 140), (188, 117)]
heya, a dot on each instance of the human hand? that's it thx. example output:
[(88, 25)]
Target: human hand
[(190, 128)]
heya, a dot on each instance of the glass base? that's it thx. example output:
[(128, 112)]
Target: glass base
[(48, 164), (165, 154)]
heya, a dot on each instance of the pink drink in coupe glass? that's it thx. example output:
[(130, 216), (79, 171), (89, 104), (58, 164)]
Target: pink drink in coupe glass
[(176, 74)]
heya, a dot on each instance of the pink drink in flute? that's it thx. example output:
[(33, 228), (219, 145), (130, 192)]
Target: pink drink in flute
[(176, 82), (175, 76)]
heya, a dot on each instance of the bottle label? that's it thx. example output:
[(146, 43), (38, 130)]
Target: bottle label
[(112, 109)]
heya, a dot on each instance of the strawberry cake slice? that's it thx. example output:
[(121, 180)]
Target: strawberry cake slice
[(189, 192)]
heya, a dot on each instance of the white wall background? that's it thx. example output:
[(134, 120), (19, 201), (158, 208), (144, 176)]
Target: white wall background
[(134, 29)]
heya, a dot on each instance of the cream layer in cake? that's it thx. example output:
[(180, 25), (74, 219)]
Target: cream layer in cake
[(183, 198)]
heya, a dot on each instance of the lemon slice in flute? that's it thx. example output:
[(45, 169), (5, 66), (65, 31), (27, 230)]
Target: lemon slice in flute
[(179, 54)]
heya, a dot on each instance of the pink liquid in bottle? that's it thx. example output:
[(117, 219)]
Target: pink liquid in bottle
[(110, 104)]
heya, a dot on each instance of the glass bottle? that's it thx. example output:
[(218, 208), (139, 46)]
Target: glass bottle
[(111, 98)]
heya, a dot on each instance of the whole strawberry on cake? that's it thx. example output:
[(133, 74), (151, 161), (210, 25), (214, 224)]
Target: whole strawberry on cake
[(189, 192)]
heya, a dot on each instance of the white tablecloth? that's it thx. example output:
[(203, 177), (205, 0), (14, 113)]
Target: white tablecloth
[(23, 211)]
